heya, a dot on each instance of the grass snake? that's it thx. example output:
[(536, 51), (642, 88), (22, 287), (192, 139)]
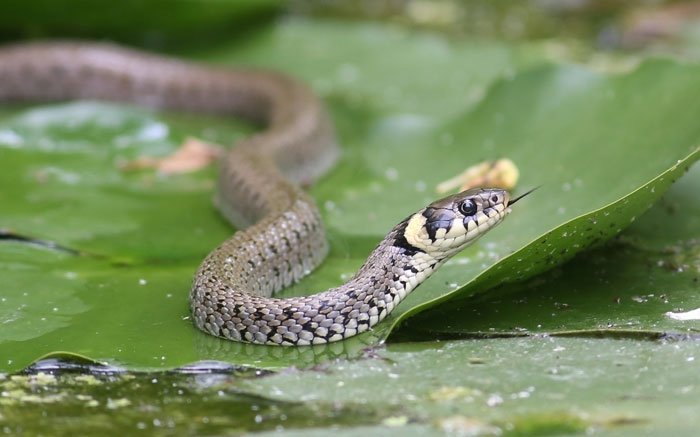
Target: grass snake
[(281, 236)]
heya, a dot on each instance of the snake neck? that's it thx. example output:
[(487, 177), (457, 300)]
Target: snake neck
[(393, 270)]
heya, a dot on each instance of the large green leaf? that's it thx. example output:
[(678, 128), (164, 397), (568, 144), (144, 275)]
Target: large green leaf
[(515, 386), (526, 386), (593, 173), (625, 288), (603, 146), (363, 76)]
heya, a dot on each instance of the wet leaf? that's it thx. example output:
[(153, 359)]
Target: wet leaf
[(202, 404), (529, 386), (603, 146), (630, 285)]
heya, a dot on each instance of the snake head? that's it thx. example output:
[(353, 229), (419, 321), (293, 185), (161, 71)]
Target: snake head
[(446, 226)]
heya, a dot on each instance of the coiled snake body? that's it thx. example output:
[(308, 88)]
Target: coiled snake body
[(283, 236)]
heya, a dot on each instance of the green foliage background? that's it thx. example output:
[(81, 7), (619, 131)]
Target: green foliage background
[(604, 139)]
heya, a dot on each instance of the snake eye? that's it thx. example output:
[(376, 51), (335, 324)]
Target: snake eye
[(468, 207)]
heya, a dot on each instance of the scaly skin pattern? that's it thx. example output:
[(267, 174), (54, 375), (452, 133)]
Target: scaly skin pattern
[(282, 236)]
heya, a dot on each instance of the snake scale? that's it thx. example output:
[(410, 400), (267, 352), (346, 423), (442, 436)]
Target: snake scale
[(282, 236)]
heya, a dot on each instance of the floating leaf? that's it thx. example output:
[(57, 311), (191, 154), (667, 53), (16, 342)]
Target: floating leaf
[(628, 288), (603, 146)]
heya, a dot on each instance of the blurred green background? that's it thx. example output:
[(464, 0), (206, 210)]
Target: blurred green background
[(173, 24)]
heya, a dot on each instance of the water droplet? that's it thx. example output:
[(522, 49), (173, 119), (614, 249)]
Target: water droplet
[(10, 139), (391, 173), (494, 400)]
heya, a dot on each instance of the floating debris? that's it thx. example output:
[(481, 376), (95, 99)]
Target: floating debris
[(502, 173), (688, 315), (194, 154)]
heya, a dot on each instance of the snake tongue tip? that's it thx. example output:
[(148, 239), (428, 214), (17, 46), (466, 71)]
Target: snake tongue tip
[(523, 195)]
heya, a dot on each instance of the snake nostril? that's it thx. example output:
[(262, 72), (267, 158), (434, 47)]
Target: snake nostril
[(494, 198)]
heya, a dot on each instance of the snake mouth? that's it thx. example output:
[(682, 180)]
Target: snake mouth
[(512, 202)]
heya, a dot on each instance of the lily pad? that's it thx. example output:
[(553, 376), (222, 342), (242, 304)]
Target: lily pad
[(603, 146), (528, 386), (628, 287), (523, 386)]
